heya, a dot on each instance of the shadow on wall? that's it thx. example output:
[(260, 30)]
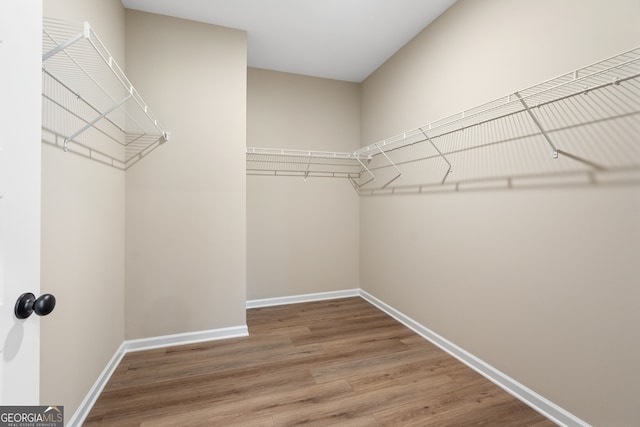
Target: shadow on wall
[(581, 128), (516, 163)]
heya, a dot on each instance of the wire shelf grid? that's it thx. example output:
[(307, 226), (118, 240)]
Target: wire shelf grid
[(583, 121), (89, 105)]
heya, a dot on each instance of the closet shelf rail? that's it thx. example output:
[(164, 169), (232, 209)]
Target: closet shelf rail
[(609, 72), (588, 120), (89, 105), (286, 162)]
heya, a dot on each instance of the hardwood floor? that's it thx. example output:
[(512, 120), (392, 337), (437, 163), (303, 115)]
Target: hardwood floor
[(340, 362)]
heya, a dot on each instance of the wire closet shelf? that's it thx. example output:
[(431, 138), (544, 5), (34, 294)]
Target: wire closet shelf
[(90, 107), (574, 117)]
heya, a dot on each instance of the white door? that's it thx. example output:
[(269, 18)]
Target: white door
[(20, 118)]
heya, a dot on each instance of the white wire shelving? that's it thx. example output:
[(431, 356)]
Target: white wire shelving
[(584, 120), (285, 162), (90, 107)]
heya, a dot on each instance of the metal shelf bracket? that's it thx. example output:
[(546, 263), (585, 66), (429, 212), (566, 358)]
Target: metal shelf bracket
[(450, 170), (554, 152), (93, 122), (373, 177), (392, 164)]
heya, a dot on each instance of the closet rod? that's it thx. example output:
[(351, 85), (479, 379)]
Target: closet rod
[(550, 88)]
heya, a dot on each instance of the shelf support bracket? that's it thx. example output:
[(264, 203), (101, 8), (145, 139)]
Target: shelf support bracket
[(85, 34), (450, 170), (94, 121), (373, 177), (554, 152), (306, 172), (392, 164)]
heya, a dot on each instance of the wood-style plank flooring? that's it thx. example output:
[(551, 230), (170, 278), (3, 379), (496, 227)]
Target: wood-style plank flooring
[(341, 362)]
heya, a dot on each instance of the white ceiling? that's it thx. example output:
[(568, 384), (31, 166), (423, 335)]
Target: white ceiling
[(336, 39)]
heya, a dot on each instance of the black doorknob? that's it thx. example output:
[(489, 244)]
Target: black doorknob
[(28, 304)]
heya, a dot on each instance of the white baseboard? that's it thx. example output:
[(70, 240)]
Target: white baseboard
[(294, 299), (90, 399), (185, 338), (528, 396), (128, 346)]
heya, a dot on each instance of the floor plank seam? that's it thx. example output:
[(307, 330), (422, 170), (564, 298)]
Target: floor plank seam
[(341, 362)]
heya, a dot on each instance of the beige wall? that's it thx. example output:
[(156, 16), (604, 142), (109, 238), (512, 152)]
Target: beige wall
[(539, 283), (82, 244), (302, 237), (186, 201), (185, 226), (478, 51)]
